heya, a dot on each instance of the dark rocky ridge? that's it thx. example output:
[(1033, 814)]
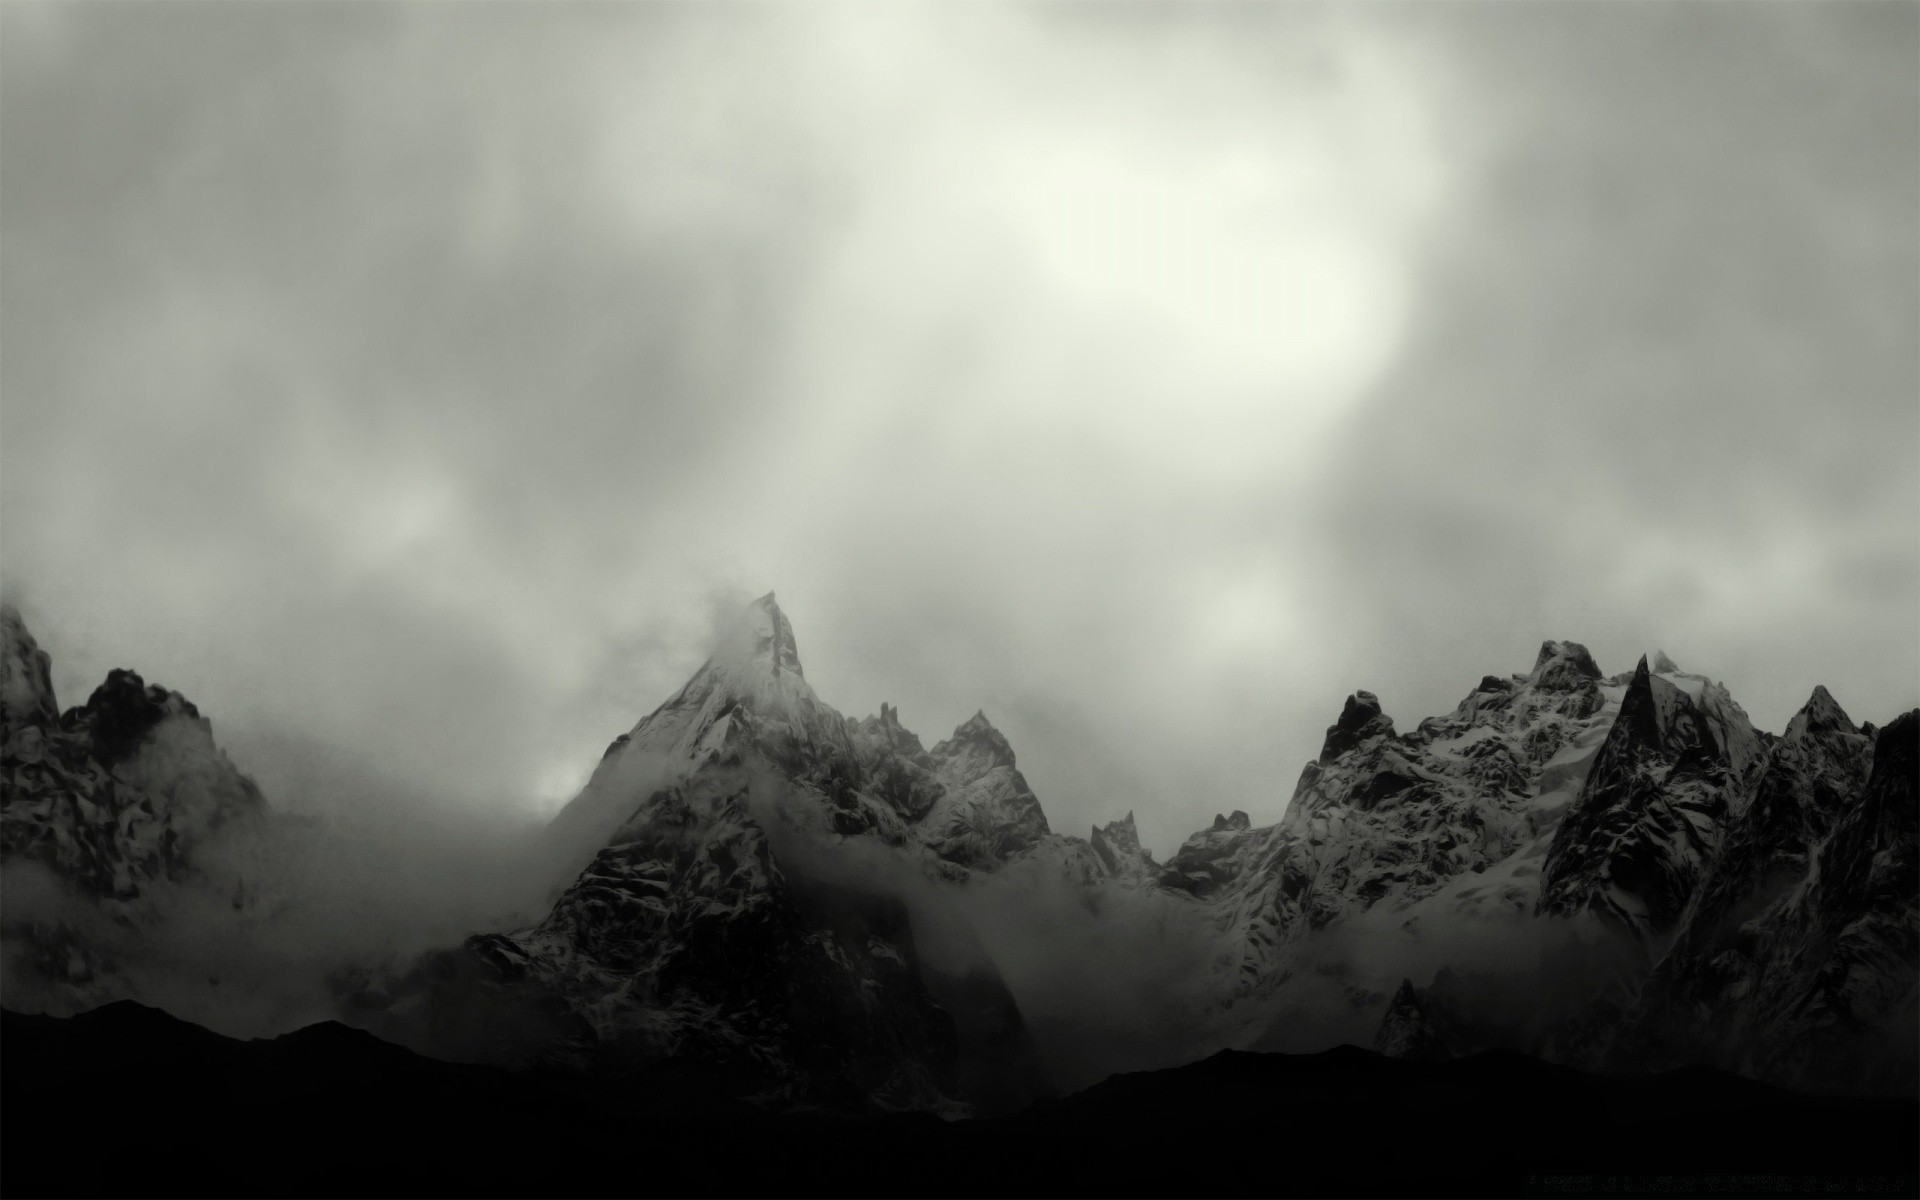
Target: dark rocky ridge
[(1652, 810), (721, 926), (1359, 720), (730, 923), (112, 795)]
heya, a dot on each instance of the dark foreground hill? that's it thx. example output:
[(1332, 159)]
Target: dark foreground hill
[(127, 1100)]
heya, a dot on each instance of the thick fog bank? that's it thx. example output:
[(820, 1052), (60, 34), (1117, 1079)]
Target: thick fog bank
[(347, 879)]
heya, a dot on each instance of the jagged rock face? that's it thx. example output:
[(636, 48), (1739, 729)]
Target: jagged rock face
[(26, 680), (1211, 859), (896, 767), (1389, 818), (1784, 868), (752, 697), (986, 813), (750, 704), (1117, 845), (115, 794), (697, 935), (1814, 774), (1359, 721), (1680, 760), (1799, 961), (1567, 668), (684, 940)]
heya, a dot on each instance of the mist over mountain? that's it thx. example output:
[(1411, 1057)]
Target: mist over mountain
[(1347, 604), (436, 384), (1616, 872)]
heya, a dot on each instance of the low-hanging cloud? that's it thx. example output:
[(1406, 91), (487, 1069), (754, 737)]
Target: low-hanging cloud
[(409, 379), (1106, 978), (340, 889)]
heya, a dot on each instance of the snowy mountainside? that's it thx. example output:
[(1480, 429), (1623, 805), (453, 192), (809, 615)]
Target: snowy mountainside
[(1383, 818), (685, 939), (746, 907), (965, 800), (1614, 872), (1680, 761), (115, 799), (1706, 893), (1512, 870), (1799, 958)]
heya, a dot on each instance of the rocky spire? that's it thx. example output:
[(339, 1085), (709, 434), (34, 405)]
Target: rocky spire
[(1564, 667), (978, 736), (1118, 845), (1359, 720), (771, 636), (26, 683), (751, 688), (1121, 833), (1820, 714), (1654, 806), (988, 813)]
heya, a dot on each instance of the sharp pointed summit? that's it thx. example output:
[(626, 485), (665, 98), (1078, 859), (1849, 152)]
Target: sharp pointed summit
[(1564, 666), (756, 874), (751, 690), (1118, 845), (26, 686), (780, 649), (978, 734), (1680, 759), (760, 639), (1821, 712), (718, 819), (1360, 719)]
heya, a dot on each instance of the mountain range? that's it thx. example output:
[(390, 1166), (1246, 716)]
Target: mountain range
[(1616, 873)]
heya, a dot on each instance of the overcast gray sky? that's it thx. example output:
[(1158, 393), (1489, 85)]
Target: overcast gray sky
[(416, 382)]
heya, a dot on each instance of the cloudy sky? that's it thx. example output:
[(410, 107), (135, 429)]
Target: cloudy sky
[(412, 385)]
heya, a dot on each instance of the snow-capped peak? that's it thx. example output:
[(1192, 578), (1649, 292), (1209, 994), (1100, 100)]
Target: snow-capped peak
[(26, 688), (978, 734), (1820, 713), (753, 679), (1563, 666), (1117, 843), (761, 639), (1123, 832), (1360, 719)]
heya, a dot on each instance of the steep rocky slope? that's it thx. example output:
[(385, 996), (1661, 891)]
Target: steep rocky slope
[(1614, 872), (1760, 892), (1679, 763), (685, 939), (749, 913), (1383, 818), (115, 798), (1799, 957), (116, 793)]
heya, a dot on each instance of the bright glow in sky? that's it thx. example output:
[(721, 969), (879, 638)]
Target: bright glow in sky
[(421, 381)]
